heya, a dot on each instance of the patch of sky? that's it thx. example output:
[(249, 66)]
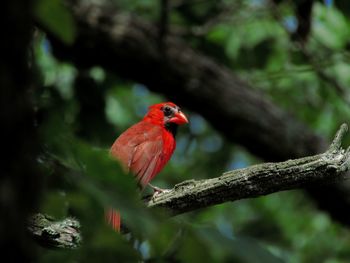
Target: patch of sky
[(46, 46), (180, 155), (290, 23), (140, 90), (145, 249), (257, 3), (211, 144), (328, 3), (197, 124), (224, 227), (238, 160)]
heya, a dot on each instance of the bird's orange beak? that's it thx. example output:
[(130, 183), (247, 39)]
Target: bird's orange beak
[(179, 118)]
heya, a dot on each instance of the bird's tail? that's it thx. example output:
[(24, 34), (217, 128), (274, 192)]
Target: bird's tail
[(113, 218)]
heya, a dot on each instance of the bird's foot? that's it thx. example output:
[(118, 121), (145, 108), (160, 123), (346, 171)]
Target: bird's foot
[(157, 190)]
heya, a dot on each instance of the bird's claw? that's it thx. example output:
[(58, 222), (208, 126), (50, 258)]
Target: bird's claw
[(157, 190)]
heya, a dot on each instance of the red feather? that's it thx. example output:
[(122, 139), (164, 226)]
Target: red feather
[(113, 218), (147, 146)]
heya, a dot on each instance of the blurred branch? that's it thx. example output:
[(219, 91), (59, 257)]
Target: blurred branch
[(200, 25), (182, 3), (341, 91), (163, 23), (303, 13), (225, 13), (257, 180), (190, 195), (54, 234)]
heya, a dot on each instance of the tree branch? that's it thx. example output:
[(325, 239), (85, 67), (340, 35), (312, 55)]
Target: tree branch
[(234, 185), (257, 180), (54, 234)]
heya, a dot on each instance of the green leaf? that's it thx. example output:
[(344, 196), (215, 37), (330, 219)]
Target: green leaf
[(55, 17), (330, 27)]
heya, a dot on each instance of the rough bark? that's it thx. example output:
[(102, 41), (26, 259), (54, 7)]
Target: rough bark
[(55, 234), (257, 180), (234, 185), (129, 47)]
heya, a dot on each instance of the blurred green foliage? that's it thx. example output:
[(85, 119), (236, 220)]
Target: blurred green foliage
[(83, 110), (54, 16)]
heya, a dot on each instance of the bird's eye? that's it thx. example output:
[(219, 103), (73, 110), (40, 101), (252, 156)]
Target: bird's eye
[(167, 111)]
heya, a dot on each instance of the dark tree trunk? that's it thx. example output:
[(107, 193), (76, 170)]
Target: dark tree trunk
[(19, 182)]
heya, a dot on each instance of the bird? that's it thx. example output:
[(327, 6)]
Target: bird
[(146, 147)]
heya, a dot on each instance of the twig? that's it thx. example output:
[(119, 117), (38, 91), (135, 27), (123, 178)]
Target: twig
[(163, 23)]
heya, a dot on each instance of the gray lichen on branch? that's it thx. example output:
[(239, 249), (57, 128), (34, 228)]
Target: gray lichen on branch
[(55, 234), (253, 181)]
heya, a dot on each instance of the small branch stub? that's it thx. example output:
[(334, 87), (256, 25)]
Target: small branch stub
[(336, 144), (55, 234)]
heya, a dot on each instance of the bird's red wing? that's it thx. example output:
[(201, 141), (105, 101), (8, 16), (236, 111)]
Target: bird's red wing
[(124, 146), (140, 150), (147, 161)]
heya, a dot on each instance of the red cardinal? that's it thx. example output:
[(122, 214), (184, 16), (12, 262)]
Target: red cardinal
[(147, 146)]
